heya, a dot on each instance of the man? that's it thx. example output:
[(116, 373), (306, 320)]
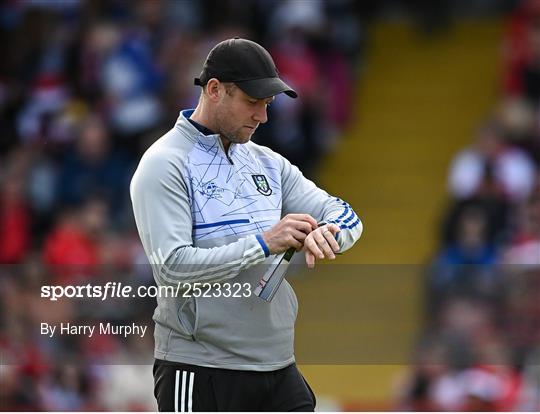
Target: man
[(212, 208)]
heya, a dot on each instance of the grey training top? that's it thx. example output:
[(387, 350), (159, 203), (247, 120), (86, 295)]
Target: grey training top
[(199, 213)]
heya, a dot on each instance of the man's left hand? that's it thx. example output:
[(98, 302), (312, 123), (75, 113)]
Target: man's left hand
[(321, 243)]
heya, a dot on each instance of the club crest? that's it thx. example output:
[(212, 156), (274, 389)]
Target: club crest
[(262, 184)]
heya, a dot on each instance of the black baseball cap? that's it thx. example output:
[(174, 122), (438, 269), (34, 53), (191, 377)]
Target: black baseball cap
[(248, 65)]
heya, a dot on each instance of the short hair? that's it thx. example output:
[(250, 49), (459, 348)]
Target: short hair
[(230, 87)]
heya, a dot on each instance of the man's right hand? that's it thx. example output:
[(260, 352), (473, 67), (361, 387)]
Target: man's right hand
[(291, 231)]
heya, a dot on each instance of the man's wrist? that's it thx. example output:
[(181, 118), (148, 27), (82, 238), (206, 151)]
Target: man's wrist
[(263, 244)]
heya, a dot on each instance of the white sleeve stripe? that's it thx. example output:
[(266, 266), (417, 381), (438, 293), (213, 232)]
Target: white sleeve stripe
[(160, 253), (233, 267), (232, 270), (206, 271), (226, 274)]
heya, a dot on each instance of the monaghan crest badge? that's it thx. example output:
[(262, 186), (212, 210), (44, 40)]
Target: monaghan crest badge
[(262, 184)]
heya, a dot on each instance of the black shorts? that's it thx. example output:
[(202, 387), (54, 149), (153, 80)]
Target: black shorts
[(184, 388)]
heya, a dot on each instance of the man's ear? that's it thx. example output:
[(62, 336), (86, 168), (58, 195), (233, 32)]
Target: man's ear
[(213, 89)]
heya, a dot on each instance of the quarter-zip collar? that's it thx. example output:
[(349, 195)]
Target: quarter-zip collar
[(202, 129), (194, 134)]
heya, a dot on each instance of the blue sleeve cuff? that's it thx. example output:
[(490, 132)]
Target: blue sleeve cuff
[(263, 245)]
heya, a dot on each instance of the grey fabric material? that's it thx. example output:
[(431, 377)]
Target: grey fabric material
[(198, 211)]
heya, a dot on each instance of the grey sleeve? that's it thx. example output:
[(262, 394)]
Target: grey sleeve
[(162, 210), (301, 195)]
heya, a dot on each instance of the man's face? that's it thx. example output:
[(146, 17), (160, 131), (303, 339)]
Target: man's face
[(238, 115)]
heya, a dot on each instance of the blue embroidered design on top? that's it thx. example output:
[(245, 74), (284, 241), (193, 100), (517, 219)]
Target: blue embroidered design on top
[(211, 190)]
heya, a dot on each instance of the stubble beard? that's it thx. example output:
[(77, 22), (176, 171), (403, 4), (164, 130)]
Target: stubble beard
[(230, 134), (234, 137)]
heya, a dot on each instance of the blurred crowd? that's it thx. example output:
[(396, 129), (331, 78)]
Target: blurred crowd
[(85, 88), (481, 346)]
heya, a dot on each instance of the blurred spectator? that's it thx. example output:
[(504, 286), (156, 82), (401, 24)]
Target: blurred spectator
[(130, 82), (128, 387), (492, 168), (523, 248), (494, 219), (467, 390), (528, 396), (463, 365), (73, 247), (92, 167), (470, 243), (521, 57), (14, 212), (529, 75), (294, 126), (42, 194), (466, 263), (42, 54), (65, 390), (85, 87), (128, 383), (518, 121), (522, 310), (413, 391)]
